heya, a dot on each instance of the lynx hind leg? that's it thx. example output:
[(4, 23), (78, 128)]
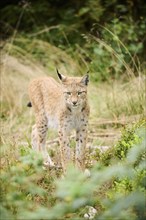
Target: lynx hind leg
[(38, 140), (34, 138)]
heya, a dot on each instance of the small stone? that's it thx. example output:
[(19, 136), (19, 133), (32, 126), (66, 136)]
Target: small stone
[(87, 173), (86, 216)]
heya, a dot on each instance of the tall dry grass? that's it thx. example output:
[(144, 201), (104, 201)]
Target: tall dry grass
[(117, 99)]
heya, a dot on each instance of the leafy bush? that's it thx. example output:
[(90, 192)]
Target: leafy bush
[(118, 30), (116, 191), (130, 137), (23, 184)]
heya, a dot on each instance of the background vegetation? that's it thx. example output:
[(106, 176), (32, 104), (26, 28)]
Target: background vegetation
[(108, 39)]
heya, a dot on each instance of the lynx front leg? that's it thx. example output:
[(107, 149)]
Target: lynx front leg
[(64, 149), (81, 139)]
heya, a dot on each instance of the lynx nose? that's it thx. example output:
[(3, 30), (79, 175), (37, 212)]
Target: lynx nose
[(74, 102)]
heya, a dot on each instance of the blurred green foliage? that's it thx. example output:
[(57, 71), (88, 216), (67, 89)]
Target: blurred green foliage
[(116, 191), (104, 35)]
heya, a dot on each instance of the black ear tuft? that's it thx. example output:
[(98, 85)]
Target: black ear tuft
[(59, 75), (85, 80)]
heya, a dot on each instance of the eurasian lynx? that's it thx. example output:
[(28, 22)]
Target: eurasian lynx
[(63, 106)]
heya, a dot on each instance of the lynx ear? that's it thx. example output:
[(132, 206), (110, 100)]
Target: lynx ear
[(61, 76), (85, 80)]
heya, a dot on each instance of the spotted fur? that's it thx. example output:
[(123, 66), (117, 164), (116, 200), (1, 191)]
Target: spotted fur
[(63, 106)]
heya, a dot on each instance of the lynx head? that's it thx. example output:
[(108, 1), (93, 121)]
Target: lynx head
[(74, 90)]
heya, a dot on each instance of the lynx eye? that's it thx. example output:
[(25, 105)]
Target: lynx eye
[(79, 93), (68, 93)]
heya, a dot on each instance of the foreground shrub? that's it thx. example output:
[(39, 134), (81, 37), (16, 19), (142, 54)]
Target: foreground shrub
[(116, 191)]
